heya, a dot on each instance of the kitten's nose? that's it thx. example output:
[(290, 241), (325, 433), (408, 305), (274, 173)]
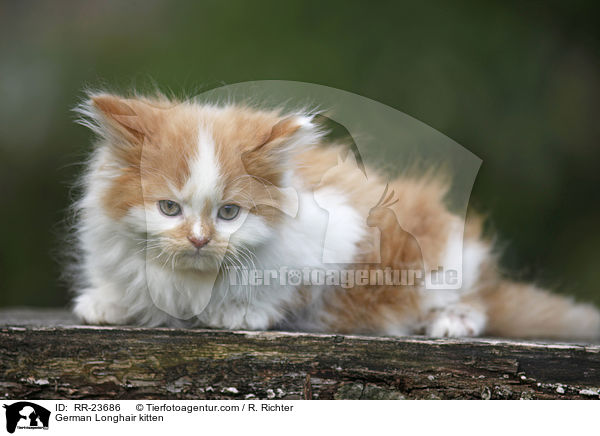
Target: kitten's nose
[(198, 242)]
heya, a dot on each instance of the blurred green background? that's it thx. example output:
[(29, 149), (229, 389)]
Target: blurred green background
[(517, 83)]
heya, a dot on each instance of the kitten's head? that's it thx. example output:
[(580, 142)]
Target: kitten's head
[(195, 183)]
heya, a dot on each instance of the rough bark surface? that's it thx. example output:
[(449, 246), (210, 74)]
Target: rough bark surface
[(44, 354)]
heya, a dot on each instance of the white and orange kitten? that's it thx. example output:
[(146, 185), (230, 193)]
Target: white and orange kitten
[(182, 199)]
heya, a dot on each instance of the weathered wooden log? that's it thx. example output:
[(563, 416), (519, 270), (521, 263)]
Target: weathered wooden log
[(44, 354)]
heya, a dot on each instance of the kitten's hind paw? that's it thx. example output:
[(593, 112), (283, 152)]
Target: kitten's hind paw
[(457, 321)]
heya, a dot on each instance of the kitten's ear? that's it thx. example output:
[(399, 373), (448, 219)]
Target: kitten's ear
[(288, 134), (277, 144), (116, 117)]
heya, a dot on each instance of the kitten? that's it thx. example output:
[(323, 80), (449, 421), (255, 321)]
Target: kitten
[(202, 215)]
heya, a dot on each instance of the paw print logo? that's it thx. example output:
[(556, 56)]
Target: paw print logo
[(294, 277)]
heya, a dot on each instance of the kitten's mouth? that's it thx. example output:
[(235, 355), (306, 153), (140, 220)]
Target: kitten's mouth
[(198, 259), (194, 259), (197, 253)]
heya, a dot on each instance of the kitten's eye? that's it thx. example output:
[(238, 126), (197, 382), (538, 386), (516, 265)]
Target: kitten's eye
[(229, 212), (169, 208)]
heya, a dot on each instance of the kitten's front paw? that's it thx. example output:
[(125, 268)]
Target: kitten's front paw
[(457, 321), (92, 310)]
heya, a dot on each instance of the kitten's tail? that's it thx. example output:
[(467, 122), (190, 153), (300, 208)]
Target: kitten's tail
[(524, 311)]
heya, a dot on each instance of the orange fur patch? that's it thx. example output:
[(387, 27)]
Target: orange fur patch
[(159, 139), (157, 145)]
